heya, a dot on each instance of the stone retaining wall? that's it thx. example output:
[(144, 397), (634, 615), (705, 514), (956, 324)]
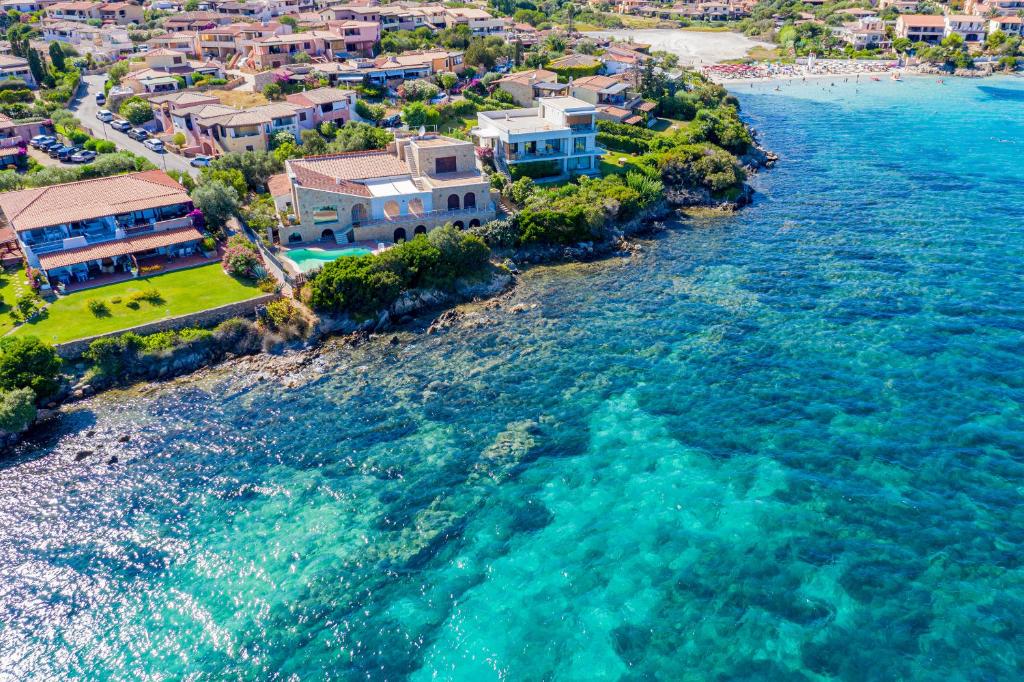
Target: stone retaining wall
[(204, 318)]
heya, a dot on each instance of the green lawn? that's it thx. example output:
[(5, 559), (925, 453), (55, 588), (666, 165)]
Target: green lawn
[(617, 162), (183, 291), (12, 283)]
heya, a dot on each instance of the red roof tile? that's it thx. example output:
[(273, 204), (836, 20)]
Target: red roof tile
[(121, 247)]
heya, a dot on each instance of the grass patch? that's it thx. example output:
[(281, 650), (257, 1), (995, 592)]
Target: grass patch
[(617, 163), (180, 292), (760, 54), (239, 98), (9, 294)]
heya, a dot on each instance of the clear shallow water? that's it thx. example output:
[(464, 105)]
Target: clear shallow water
[(311, 259), (781, 446)]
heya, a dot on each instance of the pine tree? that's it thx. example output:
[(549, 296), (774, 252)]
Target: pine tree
[(56, 56), (36, 66)]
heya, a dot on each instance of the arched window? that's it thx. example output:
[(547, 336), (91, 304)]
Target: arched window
[(358, 213), (392, 209), (416, 206), (469, 201), (458, 224), (294, 237), (399, 235), (420, 229), (327, 236), (474, 223), (453, 202)]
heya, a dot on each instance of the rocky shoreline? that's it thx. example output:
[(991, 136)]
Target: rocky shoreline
[(410, 308)]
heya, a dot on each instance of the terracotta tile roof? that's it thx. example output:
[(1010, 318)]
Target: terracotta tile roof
[(247, 117), (320, 96), (342, 173), (29, 209), (121, 247), (279, 185), (527, 77), (595, 83)]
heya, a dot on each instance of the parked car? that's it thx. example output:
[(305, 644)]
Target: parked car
[(49, 144), (101, 99), (121, 125), (200, 161), (55, 150), (105, 115), (138, 134), (84, 156), (390, 122), (66, 153), (39, 139), (154, 144)]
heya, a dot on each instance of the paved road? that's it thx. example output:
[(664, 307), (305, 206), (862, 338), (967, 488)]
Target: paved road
[(85, 107)]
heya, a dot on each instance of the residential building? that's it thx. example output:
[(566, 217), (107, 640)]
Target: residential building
[(176, 110), (528, 86), (194, 21), (987, 8), (921, 28), (361, 37), (79, 230), (74, 10), (183, 42), (16, 67), (480, 22), (105, 44), (351, 13), (1013, 26), (232, 41), (559, 129), (613, 99), (415, 185), (325, 104), (864, 34), (969, 27), (221, 129), (278, 50), (121, 13), (902, 6), (400, 17)]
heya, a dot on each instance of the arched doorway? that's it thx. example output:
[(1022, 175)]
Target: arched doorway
[(392, 209), (474, 223), (458, 224), (453, 202), (469, 201), (358, 214), (420, 229), (327, 235), (399, 235), (294, 237)]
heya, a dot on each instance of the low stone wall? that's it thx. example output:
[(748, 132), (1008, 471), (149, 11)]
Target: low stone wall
[(204, 318)]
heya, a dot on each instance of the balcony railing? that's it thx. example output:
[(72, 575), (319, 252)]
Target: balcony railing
[(536, 156), (488, 207), (582, 128)]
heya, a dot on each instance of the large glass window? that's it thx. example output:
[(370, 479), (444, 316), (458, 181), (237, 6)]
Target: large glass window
[(579, 144), (445, 164)]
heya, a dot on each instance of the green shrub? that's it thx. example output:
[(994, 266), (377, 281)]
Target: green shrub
[(97, 307), (239, 335), (27, 362), (355, 286), (112, 356), (208, 244), (535, 169), (17, 409), (147, 295)]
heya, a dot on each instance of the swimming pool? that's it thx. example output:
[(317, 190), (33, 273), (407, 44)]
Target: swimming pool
[(311, 259)]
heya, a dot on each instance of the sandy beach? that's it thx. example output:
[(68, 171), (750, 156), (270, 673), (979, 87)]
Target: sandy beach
[(695, 48)]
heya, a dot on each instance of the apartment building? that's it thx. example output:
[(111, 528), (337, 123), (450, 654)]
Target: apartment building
[(361, 37), (480, 22), (183, 42), (562, 130), (864, 34), (105, 44), (16, 67), (194, 21), (921, 28), (528, 86), (236, 40), (272, 52), (969, 27), (993, 8), (1013, 26), (80, 230), (400, 17), (414, 186), (221, 129), (323, 104)]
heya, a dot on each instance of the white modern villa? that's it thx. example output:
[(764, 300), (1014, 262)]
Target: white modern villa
[(560, 132)]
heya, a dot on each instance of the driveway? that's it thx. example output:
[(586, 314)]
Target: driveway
[(85, 107)]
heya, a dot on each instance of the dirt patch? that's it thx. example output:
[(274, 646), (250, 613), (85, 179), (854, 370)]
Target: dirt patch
[(238, 98)]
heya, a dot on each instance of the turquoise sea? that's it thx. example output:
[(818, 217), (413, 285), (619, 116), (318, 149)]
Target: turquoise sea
[(784, 445)]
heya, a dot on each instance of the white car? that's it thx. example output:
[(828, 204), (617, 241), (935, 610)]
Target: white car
[(200, 161), (154, 144), (105, 115)]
